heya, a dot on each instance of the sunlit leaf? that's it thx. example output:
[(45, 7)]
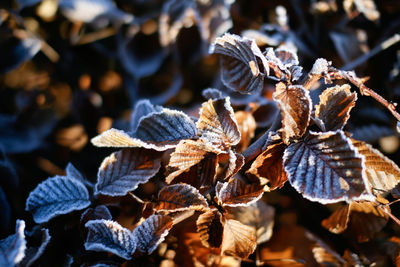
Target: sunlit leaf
[(158, 130), (247, 126), (259, 216), (123, 171), (152, 232), (12, 248), (242, 63), (382, 173), (236, 193), (55, 196), (366, 7), (268, 166), (180, 197), (325, 167), (361, 220), (228, 169), (296, 106), (217, 124), (210, 228), (283, 63), (106, 235), (238, 239), (334, 107)]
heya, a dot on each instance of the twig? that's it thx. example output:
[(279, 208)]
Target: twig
[(137, 198), (384, 45), (95, 36), (394, 218)]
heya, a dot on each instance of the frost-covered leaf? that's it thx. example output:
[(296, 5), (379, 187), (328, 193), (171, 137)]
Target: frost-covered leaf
[(268, 166), (236, 193), (97, 12), (180, 197), (382, 173), (152, 232), (238, 239), (334, 107), (325, 167), (258, 216), (12, 248), (361, 220), (124, 170), (106, 235), (210, 228), (296, 106), (217, 124), (228, 169), (98, 213), (142, 109), (55, 196), (158, 130), (34, 253), (242, 63), (283, 64)]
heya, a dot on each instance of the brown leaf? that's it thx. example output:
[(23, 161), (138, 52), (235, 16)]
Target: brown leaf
[(217, 125), (247, 126), (191, 164), (180, 197), (258, 216), (236, 193), (228, 168), (210, 228), (268, 166), (382, 173), (325, 167), (152, 232), (335, 104), (295, 105), (243, 66), (359, 219), (238, 239)]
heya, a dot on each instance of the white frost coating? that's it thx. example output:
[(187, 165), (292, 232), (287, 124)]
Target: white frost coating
[(55, 196), (34, 253), (109, 236), (320, 66), (12, 248), (147, 235)]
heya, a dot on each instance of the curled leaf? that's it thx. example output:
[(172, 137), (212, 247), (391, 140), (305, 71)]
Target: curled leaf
[(247, 126), (106, 235), (210, 228), (123, 171), (296, 106), (33, 253), (359, 219), (12, 248), (152, 232), (268, 166), (236, 193), (334, 107), (217, 125), (325, 167), (142, 109), (55, 196), (180, 197), (98, 213), (243, 65)]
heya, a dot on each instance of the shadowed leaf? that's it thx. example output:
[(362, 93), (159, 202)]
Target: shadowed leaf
[(142, 108), (152, 232), (238, 239), (268, 166), (234, 163), (55, 196), (334, 107), (247, 126), (359, 219), (242, 63), (180, 197), (12, 248), (295, 105), (124, 170), (217, 125), (382, 173), (325, 167), (105, 235), (98, 213), (236, 193), (210, 228), (34, 252)]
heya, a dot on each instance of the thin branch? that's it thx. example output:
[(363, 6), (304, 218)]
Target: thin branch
[(394, 218), (137, 198)]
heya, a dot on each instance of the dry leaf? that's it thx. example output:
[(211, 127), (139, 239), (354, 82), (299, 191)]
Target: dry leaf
[(236, 193), (210, 228)]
